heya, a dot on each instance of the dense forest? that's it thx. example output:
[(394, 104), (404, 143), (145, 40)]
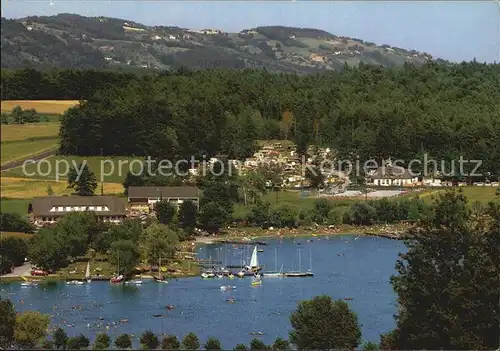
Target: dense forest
[(442, 110)]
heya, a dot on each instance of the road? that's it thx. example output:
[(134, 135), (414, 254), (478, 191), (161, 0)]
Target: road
[(21, 271), (37, 157)]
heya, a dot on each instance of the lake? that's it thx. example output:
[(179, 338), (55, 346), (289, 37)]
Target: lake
[(344, 267)]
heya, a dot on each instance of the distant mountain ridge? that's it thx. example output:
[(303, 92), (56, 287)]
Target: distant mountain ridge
[(73, 41)]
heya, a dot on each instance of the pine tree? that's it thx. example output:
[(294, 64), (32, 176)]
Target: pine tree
[(84, 183)]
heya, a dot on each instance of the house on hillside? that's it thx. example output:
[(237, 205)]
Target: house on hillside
[(140, 196), (49, 209), (391, 176)]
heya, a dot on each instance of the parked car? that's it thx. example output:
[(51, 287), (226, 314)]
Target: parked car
[(39, 272)]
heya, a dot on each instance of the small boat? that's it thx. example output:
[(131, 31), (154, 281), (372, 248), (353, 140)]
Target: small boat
[(206, 275), (87, 273), (220, 275), (256, 282), (170, 307), (134, 282), (160, 280), (230, 276), (348, 299), (260, 250), (227, 287), (241, 274), (117, 280), (298, 274), (29, 283), (75, 282)]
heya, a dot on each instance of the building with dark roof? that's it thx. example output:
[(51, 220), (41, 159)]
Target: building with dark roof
[(149, 195), (48, 209)]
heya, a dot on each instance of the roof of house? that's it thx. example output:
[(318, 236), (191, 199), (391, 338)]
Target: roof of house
[(391, 172), (41, 206), (163, 191)]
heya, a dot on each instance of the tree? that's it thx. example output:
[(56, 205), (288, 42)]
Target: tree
[(160, 241), (257, 344), (165, 211), (14, 249), (124, 256), (213, 217), (47, 251), (321, 323), (187, 216), (190, 342), (102, 342), (241, 347), (84, 183), (30, 329), (370, 346), (361, 214), (129, 229), (47, 345), (281, 344), (123, 342), (60, 338), (78, 342), (447, 282), (13, 222), (212, 344), (7, 322), (149, 341), (321, 210), (17, 113), (170, 342)]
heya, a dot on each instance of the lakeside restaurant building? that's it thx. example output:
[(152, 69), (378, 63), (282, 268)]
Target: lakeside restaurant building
[(47, 210), (147, 196)]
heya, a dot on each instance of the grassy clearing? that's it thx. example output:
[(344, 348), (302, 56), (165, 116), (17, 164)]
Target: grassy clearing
[(17, 150), (101, 166), (41, 106), (473, 194), (29, 188), (14, 205), (16, 132)]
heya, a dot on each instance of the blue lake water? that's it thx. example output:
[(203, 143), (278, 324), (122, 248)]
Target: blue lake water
[(343, 267)]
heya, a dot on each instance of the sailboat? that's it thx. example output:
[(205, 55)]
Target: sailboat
[(117, 279), (299, 273), (87, 273), (276, 273), (254, 262), (160, 278)]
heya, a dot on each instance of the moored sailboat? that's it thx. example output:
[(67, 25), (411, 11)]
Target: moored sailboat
[(275, 273), (160, 278), (87, 273)]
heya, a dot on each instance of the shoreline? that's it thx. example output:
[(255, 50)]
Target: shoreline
[(250, 235)]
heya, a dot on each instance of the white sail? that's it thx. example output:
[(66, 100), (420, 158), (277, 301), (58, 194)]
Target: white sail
[(87, 272), (254, 261)]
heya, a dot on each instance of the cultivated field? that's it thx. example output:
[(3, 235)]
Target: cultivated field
[(11, 132), (41, 106), (17, 150), (22, 188), (94, 163), (473, 193)]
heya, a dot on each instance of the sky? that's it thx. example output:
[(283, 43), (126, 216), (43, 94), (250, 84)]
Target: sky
[(452, 30)]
